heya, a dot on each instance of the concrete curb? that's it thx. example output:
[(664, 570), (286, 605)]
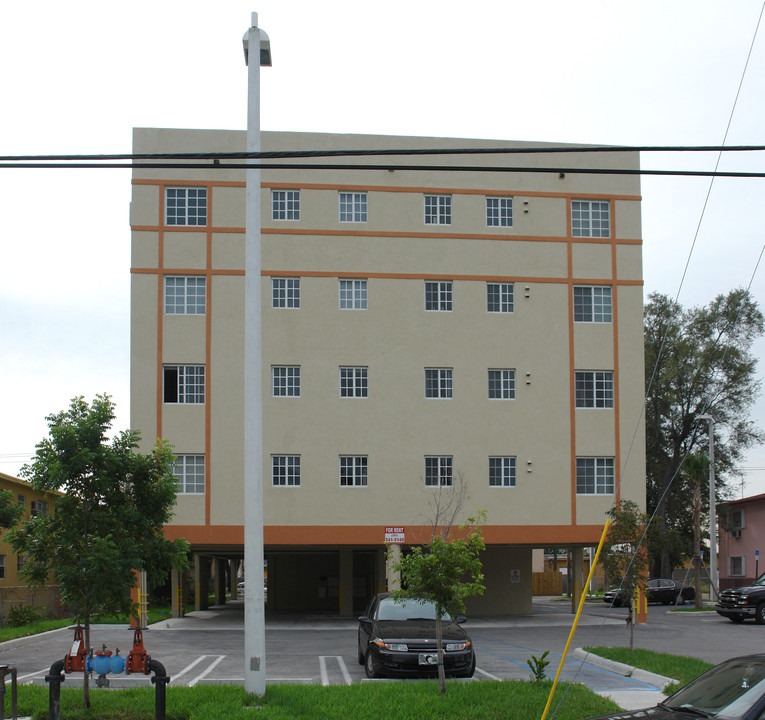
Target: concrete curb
[(649, 678)]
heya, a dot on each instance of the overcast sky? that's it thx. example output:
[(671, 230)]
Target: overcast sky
[(78, 76)]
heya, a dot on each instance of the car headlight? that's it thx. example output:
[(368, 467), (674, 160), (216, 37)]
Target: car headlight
[(454, 647), (393, 647)]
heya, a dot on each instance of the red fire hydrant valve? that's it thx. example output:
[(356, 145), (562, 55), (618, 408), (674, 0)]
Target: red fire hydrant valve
[(75, 660), (138, 659)]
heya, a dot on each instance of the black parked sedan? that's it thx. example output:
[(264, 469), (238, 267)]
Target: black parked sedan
[(657, 590), (398, 638), (734, 690)]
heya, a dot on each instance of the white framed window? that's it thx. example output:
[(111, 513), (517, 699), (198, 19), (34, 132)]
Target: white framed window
[(189, 471), (285, 470), (499, 211), (501, 384), (592, 303), (594, 388), (502, 471), (285, 204), (285, 380), (595, 476), (353, 207), (737, 565), (285, 292), (185, 294), (499, 297), (183, 383), (186, 206), (22, 500), (38, 507), (438, 295), (353, 294), (438, 471), (591, 218), (438, 209), (353, 382), (738, 519), (353, 471), (438, 383)]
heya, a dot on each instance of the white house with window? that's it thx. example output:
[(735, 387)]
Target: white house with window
[(422, 331)]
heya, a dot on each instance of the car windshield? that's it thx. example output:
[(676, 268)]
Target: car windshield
[(727, 691), (391, 609)]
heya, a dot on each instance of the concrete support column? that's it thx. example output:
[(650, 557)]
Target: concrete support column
[(177, 593), (201, 581), (235, 563), (393, 577), (577, 576), (346, 582), (221, 565), (379, 572)]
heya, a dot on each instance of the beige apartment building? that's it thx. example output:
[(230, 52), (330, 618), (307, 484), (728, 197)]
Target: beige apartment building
[(424, 330)]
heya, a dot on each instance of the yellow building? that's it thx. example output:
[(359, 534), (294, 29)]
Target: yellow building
[(422, 330), (13, 590)]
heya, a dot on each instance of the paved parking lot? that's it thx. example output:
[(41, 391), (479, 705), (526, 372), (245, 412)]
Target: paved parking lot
[(207, 647)]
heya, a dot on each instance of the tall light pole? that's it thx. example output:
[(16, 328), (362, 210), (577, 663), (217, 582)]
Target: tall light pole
[(256, 41), (712, 507)]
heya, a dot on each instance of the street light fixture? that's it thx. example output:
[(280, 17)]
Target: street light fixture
[(254, 599), (712, 508)]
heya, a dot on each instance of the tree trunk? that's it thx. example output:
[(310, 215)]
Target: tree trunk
[(440, 650), (85, 676)]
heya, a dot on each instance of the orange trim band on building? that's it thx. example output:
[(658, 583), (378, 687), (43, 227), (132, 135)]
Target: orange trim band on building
[(302, 535)]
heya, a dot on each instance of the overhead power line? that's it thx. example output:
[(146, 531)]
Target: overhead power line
[(233, 160), (416, 168), (515, 150)]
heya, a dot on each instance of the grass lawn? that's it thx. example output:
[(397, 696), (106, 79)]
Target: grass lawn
[(485, 700), (682, 668), (156, 613)]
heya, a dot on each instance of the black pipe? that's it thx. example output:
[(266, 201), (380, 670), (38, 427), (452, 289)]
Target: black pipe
[(159, 681), (54, 678)]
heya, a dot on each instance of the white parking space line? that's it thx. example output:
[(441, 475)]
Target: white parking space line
[(29, 675), (343, 669), (189, 667), (208, 671), (488, 674)]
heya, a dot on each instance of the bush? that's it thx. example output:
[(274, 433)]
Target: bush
[(20, 615)]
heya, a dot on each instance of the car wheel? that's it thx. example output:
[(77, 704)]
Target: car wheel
[(736, 618), (679, 599), (371, 666), (759, 614)]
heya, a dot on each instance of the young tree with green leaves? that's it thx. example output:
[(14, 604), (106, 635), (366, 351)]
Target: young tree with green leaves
[(445, 571), (623, 554), (109, 522), (698, 361)]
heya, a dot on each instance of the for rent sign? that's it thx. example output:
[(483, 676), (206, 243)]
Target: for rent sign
[(394, 535)]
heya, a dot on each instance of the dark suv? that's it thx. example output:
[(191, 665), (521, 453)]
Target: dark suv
[(741, 603)]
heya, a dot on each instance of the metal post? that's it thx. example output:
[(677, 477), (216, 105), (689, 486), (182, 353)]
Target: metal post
[(159, 681), (54, 679), (257, 53), (712, 510)]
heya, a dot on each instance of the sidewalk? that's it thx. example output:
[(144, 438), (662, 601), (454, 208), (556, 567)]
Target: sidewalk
[(627, 699)]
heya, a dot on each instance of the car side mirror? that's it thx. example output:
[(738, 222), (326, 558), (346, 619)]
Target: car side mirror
[(365, 619), (460, 619)]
